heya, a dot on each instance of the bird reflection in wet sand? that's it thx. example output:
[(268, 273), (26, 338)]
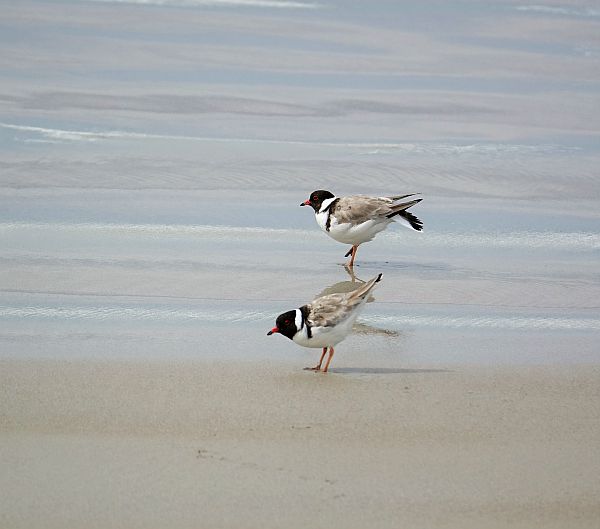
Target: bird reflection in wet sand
[(342, 287)]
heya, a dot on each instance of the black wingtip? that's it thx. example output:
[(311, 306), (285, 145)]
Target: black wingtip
[(348, 253), (378, 278), (415, 223)]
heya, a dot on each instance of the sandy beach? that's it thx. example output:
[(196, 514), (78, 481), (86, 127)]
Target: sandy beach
[(209, 444)]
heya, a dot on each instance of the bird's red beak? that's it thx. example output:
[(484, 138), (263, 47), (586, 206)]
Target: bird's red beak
[(305, 203), (272, 331)]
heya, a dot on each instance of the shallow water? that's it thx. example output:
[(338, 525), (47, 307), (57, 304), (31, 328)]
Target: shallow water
[(100, 288), (151, 176)]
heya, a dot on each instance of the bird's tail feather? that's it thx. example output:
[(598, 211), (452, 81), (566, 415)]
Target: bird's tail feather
[(395, 198), (397, 208), (407, 218), (410, 220)]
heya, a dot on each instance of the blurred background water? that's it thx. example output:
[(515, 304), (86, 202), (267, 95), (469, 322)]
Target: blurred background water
[(153, 154)]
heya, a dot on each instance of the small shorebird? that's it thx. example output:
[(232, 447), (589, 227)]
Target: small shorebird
[(357, 219), (324, 322)]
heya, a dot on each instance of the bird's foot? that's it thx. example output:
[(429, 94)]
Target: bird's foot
[(316, 368)]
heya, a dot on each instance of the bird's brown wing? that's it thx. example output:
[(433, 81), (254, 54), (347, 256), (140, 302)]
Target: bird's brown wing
[(329, 310), (360, 208)]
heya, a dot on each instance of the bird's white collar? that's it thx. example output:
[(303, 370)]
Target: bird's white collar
[(326, 203)]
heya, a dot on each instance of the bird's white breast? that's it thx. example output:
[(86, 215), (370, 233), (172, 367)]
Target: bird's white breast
[(357, 233)]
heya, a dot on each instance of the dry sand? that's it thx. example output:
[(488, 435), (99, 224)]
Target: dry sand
[(192, 444)]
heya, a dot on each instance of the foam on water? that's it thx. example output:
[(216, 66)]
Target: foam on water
[(103, 313), (560, 10), (154, 229), (279, 4), (487, 322), (230, 315), (523, 239), (576, 241), (46, 134)]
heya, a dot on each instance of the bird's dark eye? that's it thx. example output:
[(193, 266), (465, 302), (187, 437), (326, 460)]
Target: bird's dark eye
[(315, 198), (287, 322)]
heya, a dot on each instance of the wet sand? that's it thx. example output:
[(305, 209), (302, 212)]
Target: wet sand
[(265, 444)]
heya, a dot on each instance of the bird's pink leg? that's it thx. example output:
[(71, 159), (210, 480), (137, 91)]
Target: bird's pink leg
[(318, 366), (331, 351), (354, 250)]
